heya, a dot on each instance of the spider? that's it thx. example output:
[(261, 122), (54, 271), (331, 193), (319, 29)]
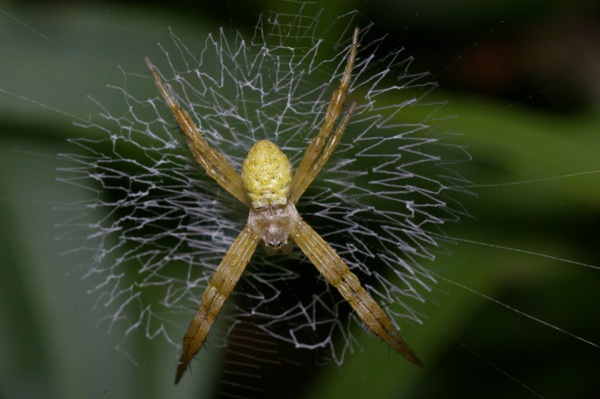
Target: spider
[(270, 189)]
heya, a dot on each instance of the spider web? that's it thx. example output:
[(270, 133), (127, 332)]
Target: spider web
[(167, 225)]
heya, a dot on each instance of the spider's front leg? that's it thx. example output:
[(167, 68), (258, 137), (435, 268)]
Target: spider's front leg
[(337, 273), (219, 288)]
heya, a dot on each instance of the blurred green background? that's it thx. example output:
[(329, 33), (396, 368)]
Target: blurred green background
[(522, 79)]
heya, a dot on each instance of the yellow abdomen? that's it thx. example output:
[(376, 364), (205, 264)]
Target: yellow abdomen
[(267, 175)]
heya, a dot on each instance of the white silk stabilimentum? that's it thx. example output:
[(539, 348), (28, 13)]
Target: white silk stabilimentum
[(379, 202)]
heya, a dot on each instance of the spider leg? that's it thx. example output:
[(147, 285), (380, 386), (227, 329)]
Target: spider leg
[(306, 177), (336, 272), (215, 164), (219, 288), (311, 163)]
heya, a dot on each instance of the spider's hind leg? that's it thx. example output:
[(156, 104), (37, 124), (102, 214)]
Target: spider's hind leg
[(321, 147)]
